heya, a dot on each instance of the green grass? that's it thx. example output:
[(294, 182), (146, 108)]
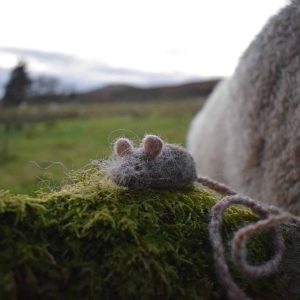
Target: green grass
[(42, 153)]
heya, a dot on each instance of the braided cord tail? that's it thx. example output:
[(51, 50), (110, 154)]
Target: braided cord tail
[(239, 244), (239, 249), (216, 186), (271, 218), (216, 241)]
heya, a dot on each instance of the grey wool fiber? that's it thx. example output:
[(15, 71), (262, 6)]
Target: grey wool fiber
[(248, 133), (155, 164)]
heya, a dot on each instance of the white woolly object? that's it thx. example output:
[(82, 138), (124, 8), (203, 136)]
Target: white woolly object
[(248, 133)]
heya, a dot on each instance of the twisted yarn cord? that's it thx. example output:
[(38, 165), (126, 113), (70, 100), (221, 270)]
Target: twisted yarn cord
[(271, 217), (222, 270), (220, 188)]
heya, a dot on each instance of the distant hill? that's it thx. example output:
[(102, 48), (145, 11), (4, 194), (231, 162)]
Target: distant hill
[(132, 93), (122, 92)]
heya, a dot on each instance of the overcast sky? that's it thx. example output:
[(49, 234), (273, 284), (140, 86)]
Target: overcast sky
[(94, 42)]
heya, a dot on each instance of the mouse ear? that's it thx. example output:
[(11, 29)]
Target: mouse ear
[(123, 147), (152, 145)]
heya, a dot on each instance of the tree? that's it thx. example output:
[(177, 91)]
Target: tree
[(18, 85), (45, 86)]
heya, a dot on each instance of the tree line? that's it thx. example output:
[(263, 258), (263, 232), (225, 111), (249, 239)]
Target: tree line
[(22, 88)]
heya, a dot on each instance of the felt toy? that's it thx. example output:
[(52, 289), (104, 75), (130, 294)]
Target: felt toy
[(156, 164), (247, 134)]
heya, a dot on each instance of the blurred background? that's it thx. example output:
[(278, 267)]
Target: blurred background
[(75, 75)]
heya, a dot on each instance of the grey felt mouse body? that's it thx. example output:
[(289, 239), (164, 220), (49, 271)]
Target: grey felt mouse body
[(155, 164)]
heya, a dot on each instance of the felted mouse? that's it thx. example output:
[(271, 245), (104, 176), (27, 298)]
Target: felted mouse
[(155, 164)]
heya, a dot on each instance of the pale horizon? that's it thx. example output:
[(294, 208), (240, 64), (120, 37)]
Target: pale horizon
[(139, 42)]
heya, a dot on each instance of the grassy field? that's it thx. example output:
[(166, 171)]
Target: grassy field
[(40, 145)]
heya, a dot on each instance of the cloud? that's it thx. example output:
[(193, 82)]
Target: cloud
[(83, 74), (43, 56)]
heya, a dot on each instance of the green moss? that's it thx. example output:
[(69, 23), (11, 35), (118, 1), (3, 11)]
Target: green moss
[(94, 240)]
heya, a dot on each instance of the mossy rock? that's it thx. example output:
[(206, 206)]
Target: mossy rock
[(94, 240)]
